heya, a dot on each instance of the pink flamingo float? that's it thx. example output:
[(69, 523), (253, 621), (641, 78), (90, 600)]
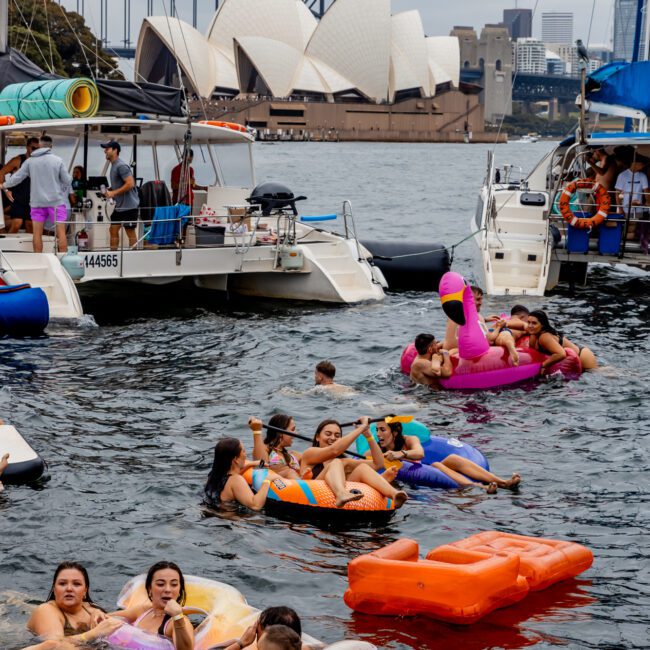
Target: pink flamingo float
[(478, 365)]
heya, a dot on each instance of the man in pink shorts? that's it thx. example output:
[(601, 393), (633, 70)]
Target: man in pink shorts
[(50, 183)]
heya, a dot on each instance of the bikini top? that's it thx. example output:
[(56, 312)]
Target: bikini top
[(70, 630), (163, 624), (276, 458), (543, 350)]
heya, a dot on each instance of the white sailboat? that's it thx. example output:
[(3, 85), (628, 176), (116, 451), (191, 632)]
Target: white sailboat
[(526, 245)]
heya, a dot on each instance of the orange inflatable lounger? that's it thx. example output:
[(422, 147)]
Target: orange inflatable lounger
[(543, 561), (453, 584)]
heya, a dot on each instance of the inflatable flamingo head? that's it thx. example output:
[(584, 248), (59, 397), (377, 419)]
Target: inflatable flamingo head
[(451, 290), (458, 303)]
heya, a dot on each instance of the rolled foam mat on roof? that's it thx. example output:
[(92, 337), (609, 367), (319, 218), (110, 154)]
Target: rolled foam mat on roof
[(51, 99)]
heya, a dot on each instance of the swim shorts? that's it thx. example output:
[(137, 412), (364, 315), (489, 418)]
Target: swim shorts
[(127, 218), (41, 215)]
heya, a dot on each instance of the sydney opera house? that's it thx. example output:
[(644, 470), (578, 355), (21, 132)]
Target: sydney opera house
[(358, 72)]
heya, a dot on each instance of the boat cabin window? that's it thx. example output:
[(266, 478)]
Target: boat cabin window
[(235, 163)]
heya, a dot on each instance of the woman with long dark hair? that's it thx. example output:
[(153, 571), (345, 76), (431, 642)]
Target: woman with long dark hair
[(397, 446), (225, 482), (69, 610), (325, 461), (548, 340), (273, 449), (163, 614)]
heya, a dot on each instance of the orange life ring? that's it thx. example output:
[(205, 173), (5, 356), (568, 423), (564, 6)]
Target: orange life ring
[(7, 120), (227, 125), (603, 203)]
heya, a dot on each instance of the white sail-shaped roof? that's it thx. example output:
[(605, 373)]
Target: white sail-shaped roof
[(287, 21), (187, 44), (356, 47), (333, 82), (409, 55), (444, 59), (353, 38), (276, 62)]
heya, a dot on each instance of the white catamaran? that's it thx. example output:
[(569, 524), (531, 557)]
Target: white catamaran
[(261, 246)]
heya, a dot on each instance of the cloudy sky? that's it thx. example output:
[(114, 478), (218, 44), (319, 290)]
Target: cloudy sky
[(438, 16)]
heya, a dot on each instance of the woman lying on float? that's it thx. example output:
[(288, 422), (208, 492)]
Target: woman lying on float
[(396, 446)]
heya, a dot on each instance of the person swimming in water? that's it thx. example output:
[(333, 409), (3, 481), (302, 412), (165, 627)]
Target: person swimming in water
[(279, 615), (69, 611), (546, 339), (225, 482), (396, 446), (432, 361)]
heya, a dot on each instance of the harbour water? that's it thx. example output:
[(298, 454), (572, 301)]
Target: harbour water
[(126, 409)]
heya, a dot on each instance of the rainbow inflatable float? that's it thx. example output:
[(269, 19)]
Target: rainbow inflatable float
[(478, 365)]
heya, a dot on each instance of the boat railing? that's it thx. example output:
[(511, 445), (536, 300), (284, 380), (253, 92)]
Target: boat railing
[(512, 174), (172, 233), (348, 216)]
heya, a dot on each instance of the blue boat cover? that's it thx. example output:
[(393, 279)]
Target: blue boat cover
[(621, 84), (164, 230)]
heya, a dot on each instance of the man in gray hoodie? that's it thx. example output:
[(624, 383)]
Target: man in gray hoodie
[(50, 183)]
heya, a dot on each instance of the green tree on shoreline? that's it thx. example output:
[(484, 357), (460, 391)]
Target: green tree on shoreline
[(58, 40)]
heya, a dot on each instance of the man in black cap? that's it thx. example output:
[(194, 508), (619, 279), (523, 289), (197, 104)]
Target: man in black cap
[(125, 194)]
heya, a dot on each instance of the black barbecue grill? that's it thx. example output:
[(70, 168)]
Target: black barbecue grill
[(274, 196)]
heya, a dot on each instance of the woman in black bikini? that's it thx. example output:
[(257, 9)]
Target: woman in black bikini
[(69, 610), (546, 339), (396, 446), (324, 461), (225, 482)]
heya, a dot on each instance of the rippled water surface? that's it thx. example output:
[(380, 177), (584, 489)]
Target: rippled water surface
[(126, 414)]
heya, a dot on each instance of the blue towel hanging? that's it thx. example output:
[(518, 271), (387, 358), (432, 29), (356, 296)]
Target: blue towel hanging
[(164, 230)]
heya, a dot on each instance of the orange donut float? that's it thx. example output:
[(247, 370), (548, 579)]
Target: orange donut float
[(7, 120), (233, 126), (603, 202), (308, 498)]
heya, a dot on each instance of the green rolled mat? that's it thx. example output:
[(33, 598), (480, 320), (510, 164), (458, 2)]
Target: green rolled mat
[(51, 99)]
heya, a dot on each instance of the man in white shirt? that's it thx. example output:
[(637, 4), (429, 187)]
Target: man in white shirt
[(632, 187)]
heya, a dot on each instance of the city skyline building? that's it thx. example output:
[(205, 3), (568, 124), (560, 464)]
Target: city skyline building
[(557, 27), (624, 24), (530, 56), (569, 54), (519, 22)]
